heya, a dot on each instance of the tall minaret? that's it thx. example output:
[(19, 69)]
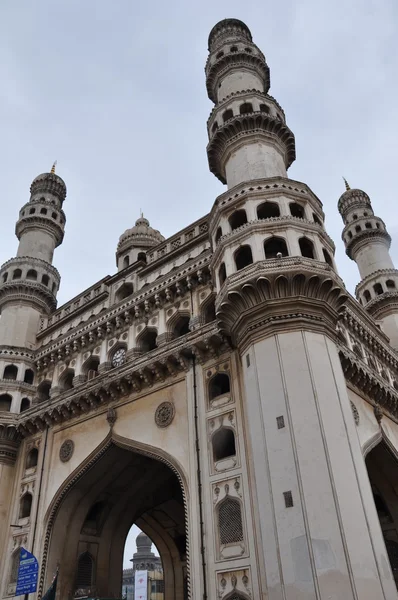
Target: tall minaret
[(278, 299), (29, 283), (367, 242)]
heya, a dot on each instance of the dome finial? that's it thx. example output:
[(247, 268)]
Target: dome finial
[(347, 187), (53, 167)]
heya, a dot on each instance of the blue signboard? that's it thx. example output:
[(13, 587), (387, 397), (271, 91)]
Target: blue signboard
[(27, 573)]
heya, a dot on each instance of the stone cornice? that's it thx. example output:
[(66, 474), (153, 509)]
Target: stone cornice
[(272, 226), (257, 124), (133, 377), (235, 60), (264, 189), (369, 278), (16, 352), (137, 306), (32, 262), (28, 292), (38, 221), (242, 95), (10, 439)]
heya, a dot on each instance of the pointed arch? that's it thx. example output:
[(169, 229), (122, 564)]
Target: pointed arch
[(147, 339)]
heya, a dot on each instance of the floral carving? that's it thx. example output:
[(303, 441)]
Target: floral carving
[(66, 450), (164, 414)]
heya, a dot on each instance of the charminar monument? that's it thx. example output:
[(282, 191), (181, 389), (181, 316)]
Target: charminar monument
[(222, 390)]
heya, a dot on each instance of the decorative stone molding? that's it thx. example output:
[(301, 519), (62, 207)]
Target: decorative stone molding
[(355, 413), (111, 416), (361, 239), (275, 294), (251, 124), (164, 414), (10, 439), (66, 450), (29, 292), (383, 305)]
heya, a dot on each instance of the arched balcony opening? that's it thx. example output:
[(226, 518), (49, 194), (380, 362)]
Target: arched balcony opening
[(45, 280), (350, 235), (66, 380), (357, 228), (5, 277), (390, 284), (126, 262), (17, 274), (43, 391), (5, 403), (268, 210), (222, 273), (243, 257), (25, 404), (25, 506), (31, 275), (181, 326), (296, 210), (275, 247), (215, 127), (378, 289), (245, 108), (223, 442), (264, 108), (327, 257), (316, 219), (90, 367), (29, 376), (147, 340), (125, 290), (10, 372), (141, 256), (219, 385), (32, 458), (237, 219), (368, 225), (209, 310), (228, 114), (367, 296), (306, 248), (218, 234)]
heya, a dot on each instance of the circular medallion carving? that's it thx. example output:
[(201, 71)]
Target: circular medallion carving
[(164, 414), (66, 450)]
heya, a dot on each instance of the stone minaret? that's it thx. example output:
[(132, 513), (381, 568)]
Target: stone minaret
[(29, 283), (367, 242), (317, 534)]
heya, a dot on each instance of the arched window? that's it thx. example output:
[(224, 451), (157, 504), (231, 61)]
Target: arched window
[(29, 376), (234, 48), (227, 115), (85, 568), (230, 521), (54, 288), (32, 275), (267, 210), (32, 211), (43, 391), (181, 327), (350, 235), (222, 273), (125, 290), (209, 310), (218, 234), (390, 284), (215, 127), (45, 280), (25, 506), (32, 458), (66, 380), (368, 225), (367, 296), (316, 219), (25, 404), (43, 211), (141, 256), (243, 257), (223, 442), (5, 402), (5, 277), (237, 219), (90, 368), (306, 248), (357, 228), (274, 247), (126, 262), (147, 341), (246, 108), (354, 217), (54, 216), (378, 225), (378, 288), (327, 257), (10, 372), (264, 108), (17, 274), (296, 210), (219, 385)]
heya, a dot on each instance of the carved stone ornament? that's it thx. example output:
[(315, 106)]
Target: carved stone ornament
[(111, 416), (355, 413), (164, 414), (66, 450)]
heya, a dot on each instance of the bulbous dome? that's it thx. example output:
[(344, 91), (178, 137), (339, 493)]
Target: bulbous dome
[(353, 197), (143, 541), (49, 183), (142, 235)]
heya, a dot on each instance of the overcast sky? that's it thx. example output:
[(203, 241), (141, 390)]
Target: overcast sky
[(115, 91)]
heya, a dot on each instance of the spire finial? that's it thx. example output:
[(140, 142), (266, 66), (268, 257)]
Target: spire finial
[(347, 187), (53, 167)]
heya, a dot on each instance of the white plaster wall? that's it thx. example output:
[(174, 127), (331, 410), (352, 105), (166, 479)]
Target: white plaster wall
[(19, 325), (254, 161), (238, 81), (372, 257), (37, 244)]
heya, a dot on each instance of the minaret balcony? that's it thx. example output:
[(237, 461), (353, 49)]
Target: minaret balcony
[(41, 215), (362, 232)]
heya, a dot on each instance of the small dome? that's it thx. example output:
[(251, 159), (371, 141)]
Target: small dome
[(228, 26), (142, 540), (142, 235), (353, 197), (50, 183)]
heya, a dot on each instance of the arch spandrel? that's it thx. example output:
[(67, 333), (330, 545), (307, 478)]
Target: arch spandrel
[(68, 509)]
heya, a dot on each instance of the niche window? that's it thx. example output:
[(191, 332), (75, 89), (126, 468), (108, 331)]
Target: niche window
[(181, 327), (367, 296), (32, 275), (243, 257), (357, 228), (43, 391), (264, 108), (43, 211), (327, 257), (25, 404), (368, 225), (230, 521), (29, 376), (223, 442), (25, 506), (275, 247), (85, 568), (126, 262), (227, 115), (66, 381), (296, 210), (378, 288), (45, 280), (219, 385), (237, 219), (390, 284), (91, 367), (222, 273), (17, 274), (147, 340), (141, 256), (10, 372), (306, 248), (5, 403), (267, 210), (32, 458), (246, 108)]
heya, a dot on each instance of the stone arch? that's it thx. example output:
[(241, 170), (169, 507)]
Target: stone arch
[(307, 248), (125, 290), (25, 404), (90, 367), (32, 275), (222, 273), (29, 376), (223, 443), (238, 218), (25, 505), (267, 210), (43, 390), (66, 380), (178, 325), (5, 402), (208, 310), (243, 257), (32, 458), (275, 246), (297, 210), (10, 372), (69, 495), (219, 385), (147, 339)]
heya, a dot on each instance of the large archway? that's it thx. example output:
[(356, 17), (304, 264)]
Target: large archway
[(382, 468), (93, 513)]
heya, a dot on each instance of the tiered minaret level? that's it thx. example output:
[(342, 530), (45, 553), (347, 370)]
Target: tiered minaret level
[(367, 242)]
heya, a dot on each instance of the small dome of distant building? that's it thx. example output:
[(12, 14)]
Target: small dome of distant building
[(142, 235), (142, 540)]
